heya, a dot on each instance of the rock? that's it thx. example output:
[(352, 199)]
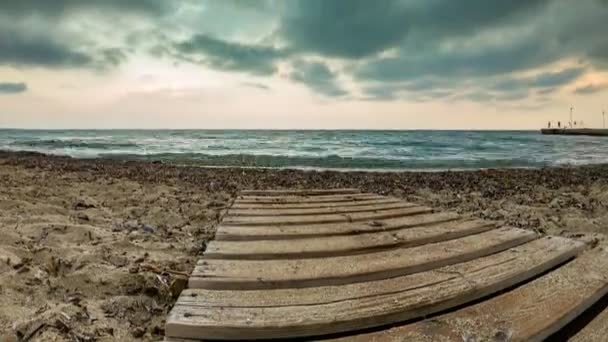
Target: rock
[(148, 229), (84, 203), (556, 203), (10, 259), (41, 275), (131, 225), (83, 217), (138, 332)]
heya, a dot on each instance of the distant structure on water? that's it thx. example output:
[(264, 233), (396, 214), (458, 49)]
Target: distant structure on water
[(573, 129)]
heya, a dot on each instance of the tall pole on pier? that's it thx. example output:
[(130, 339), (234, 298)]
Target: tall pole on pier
[(604, 117), (571, 108)]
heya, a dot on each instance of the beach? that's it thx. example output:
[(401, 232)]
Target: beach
[(98, 249)]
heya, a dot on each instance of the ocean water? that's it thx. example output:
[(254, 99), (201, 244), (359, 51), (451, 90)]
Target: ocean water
[(367, 150)]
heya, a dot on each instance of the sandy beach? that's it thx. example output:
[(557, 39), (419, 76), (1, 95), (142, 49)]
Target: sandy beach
[(99, 249)]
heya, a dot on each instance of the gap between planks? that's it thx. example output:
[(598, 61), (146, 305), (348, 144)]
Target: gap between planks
[(303, 199), (415, 218), (303, 205), (307, 192), (242, 213), (321, 219)]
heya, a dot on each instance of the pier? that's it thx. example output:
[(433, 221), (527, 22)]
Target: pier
[(575, 131)]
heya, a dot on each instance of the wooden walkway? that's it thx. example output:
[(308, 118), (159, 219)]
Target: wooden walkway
[(357, 266)]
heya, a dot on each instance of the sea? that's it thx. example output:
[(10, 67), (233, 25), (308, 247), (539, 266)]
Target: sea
[(319, 149)]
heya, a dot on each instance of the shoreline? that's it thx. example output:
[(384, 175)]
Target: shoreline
[(108, 242)]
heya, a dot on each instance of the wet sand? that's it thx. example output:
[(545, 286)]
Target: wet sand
[(98, 249)]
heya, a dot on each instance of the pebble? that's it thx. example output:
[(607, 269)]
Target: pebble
[(83, 217), (138, 332), (148, 228), (10, 259)]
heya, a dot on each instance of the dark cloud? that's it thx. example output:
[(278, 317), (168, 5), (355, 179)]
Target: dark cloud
[(550, 80), (221, 54), (12, 88), (447, 18), (19, 49), (359, 28), (57, 8), (590, 89), (318, 77), (353, 28), (513, 41), (471, 62), (36, 33)]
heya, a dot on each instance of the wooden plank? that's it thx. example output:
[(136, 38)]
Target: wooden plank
[(299, 205), (531, 312), (418, 217), (305, 199), (317, 211), (320, 311), (319, 219), (303, 192), (320, 247), (264, 274)]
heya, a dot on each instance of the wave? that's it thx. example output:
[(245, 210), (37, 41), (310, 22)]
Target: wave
[(58, 144), (326, 162)]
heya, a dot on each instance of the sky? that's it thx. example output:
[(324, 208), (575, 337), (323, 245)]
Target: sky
[(306, 64)]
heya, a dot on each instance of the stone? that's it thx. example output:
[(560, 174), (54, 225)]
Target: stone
[(148, 229), (10, 259), (83, 217), (138, 332)]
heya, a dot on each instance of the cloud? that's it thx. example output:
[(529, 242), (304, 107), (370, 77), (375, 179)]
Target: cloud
[(590, 89), (20, 49), (255, 85), (12, 88), (351, 29), (224, 55), (480, 61), (59, 8), (69, 33), (497, 47), (361, 28), (318, 77), (546, 80), (392, 49)]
